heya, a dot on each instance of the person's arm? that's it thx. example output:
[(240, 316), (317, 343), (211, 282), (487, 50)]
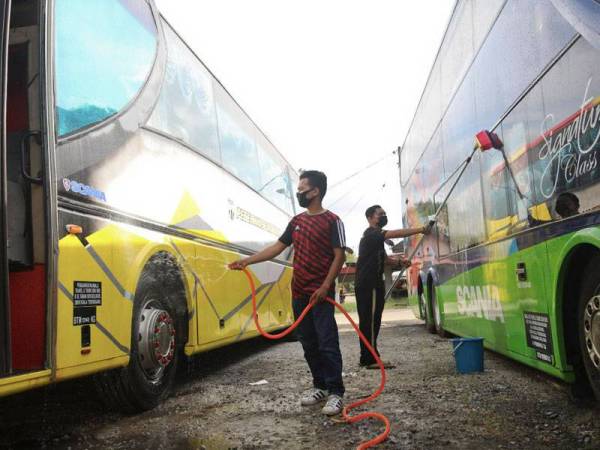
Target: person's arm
[(265, 254), (399, 262), (405, 232), (338, 261)]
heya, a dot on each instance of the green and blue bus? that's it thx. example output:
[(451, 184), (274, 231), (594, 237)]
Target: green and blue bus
[(515, 254)]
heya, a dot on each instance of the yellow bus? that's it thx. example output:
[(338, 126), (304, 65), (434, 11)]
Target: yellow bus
[(129, 179)]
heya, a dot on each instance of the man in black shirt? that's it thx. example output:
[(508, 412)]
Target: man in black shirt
[(369, 287)]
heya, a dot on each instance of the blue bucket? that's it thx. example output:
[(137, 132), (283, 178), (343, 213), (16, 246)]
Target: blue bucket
[(468, 354)]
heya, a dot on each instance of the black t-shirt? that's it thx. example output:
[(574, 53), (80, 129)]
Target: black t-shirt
[(371, 259)]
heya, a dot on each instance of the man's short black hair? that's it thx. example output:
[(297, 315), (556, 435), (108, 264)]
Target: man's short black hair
[(371, 210), (316, 179), (567, 204)]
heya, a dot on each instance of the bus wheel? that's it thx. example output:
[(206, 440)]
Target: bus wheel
[(423, 306), (429, 324), (156, 344), (588, 315), (437, 315)]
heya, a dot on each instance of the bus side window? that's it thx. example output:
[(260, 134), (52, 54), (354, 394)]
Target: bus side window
[(237, 139), (465, 210), (186, 106), (105, 49), (274, 175), (568, 153)]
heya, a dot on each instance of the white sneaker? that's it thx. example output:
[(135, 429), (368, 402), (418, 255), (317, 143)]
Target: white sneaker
[(333, 406), (313, 397)]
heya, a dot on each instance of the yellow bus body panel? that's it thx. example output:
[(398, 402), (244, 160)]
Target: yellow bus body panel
[(218, 299), (25, 382)]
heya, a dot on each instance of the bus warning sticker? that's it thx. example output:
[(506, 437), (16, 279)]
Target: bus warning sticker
[(86, 296), (537, 329), (87, 293)]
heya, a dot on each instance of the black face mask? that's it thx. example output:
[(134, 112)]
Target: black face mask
[(302, 200), (382, 222)]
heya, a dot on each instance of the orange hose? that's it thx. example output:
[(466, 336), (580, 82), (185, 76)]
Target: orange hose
[(349, 419)]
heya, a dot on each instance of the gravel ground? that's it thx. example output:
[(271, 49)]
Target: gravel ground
[(215, 407)]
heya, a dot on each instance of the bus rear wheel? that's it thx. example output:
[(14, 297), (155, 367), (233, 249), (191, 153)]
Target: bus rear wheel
[(427, 313), (437, 315), (588, 324)]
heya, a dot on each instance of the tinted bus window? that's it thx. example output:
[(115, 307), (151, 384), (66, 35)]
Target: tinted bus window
[(186, 107), (276, 183), (516, 51), (567, 154), (105, 50), (236, 136), (459, 126), (519, 180), (465, 210), (431, 175)]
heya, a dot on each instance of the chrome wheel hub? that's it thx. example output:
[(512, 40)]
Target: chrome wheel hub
[(591, 329), (156, 336)]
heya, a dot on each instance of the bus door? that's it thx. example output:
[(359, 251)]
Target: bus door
[(24, 219)]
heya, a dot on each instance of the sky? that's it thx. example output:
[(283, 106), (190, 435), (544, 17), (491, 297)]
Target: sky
[(334, 84)]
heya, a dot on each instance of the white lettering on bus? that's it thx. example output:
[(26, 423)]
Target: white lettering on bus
[(564, 151), (480, 301)]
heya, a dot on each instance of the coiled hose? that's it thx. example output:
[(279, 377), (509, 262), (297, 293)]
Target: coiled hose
[(347, 418)]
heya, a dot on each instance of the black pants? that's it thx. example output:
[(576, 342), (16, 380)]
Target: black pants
[(318, 334), (369, 303)]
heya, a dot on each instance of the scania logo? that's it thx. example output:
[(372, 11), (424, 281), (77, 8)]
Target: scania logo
[(480, 301), (83, 189)]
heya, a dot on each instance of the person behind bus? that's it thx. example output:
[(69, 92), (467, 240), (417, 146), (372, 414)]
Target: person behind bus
[(319, 242), (369, 286), (567, 205)]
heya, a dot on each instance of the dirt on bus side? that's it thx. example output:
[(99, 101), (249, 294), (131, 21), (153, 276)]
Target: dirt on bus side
[(246, 397)]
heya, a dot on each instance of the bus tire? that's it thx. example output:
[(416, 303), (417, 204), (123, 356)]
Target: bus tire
[(429, 324), (422, 306), (157, 341), (588, 324), (437, 315)]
